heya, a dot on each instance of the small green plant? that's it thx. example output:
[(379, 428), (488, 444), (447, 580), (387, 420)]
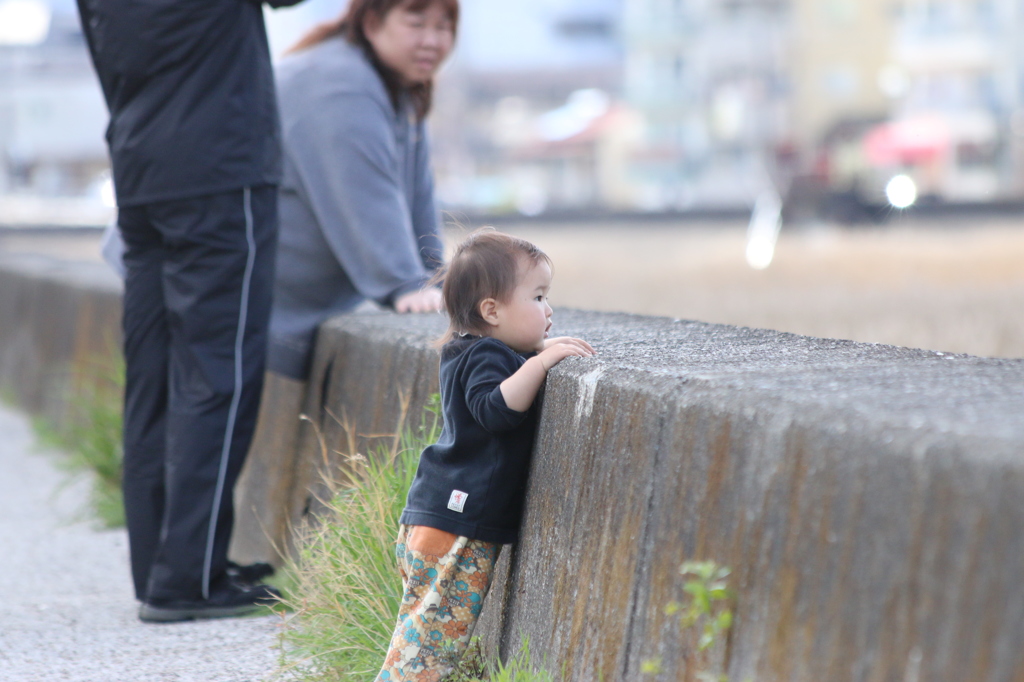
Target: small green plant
[(709, 598), (520, 668), (92, 437), (706, 608), (475, 668), (651, 666)]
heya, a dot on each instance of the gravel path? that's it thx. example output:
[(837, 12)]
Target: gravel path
[(68, 612)]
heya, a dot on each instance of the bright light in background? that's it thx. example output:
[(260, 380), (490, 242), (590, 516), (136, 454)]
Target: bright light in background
[(23, 22), (763, 232), (582, 107), (901, 192), (760, 254), (893, 81), (107, 195)]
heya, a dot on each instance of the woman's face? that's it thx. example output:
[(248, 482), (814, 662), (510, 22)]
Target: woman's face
[(413, 43)]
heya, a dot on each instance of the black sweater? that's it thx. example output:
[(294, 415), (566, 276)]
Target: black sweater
[(472, 481), (190, 92)]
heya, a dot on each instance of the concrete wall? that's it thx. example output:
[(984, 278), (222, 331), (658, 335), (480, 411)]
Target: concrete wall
[(370, 378), (869, 499), (60, 328)]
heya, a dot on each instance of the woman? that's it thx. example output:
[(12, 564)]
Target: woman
[(358, 219)]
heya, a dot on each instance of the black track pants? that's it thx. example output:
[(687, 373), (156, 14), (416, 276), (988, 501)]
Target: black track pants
[(196, 310)]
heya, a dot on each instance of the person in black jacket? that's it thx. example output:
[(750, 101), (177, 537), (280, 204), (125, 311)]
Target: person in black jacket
[(467, 497), (195, 147)]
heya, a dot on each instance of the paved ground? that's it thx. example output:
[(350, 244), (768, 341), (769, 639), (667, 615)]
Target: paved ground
[(67, 611)]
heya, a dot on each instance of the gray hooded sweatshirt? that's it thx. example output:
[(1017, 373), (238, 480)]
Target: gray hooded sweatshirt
[(358, 219)]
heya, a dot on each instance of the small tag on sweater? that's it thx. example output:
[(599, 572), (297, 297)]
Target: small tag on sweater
[(457, 501)]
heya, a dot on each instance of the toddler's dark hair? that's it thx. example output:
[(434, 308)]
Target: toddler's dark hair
[(485, 265)]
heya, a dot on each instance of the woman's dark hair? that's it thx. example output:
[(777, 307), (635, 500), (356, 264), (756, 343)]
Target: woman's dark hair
[(350, 26), (485, 265)]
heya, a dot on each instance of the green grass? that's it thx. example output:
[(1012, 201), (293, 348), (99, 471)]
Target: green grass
[(474, 667), (343, 588), (519, 669), (92, 438)]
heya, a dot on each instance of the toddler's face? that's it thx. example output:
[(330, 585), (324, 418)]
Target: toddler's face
[(524, 320)]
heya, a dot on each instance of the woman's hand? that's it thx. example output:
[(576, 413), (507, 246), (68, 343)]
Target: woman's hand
[(423, 301)]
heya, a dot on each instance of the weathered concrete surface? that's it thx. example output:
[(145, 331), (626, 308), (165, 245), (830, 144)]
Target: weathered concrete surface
[(869, 499), (60, 324), (263, 524), (370, 378), (372, 375)]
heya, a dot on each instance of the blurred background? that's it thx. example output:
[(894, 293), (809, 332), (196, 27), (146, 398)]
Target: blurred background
[(843, 168)]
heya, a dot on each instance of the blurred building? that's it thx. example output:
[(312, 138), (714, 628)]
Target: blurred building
[(958, 55), (840, 59), (950, 129), (711, 80), (646, 105), (959, 64), (509, 132), (52, 115), (738, 95)]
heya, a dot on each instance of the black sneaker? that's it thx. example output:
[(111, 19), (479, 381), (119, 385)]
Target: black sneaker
[(228, 601), (249, 574)]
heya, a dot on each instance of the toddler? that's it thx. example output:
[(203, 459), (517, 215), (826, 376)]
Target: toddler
[(466, 500)]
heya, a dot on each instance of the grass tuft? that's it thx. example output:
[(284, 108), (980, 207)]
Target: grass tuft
[(343, 588), (92, 438), (346, 588), (520, 668)]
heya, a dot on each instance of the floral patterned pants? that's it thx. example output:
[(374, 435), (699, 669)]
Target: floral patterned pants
[(445, 579)]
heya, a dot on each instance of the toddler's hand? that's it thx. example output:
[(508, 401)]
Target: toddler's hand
[(558, 349), (521, 388)]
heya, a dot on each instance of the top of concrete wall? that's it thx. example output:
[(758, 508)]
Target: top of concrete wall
[(867, 498), (843, 385)]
